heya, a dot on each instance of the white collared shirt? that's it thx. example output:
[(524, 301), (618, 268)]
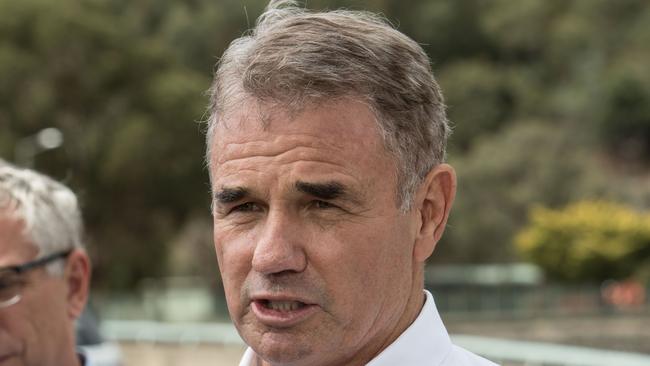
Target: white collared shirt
[(424, 343)]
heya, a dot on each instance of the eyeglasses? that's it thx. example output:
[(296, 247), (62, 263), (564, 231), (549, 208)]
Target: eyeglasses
[(11, 283)]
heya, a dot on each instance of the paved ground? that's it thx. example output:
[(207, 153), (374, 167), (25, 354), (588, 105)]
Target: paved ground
[(144, 354), (630, 333)]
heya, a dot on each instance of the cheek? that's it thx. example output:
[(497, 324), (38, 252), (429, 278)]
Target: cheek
[(13, 329), (366, 262), (26, 331), (234, 255), (345, 260), (232, 251)]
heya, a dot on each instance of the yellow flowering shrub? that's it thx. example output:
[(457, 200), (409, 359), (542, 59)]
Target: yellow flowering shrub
[(587, 241)]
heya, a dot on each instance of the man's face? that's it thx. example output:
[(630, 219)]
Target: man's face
[(315, 256), (33, 330)]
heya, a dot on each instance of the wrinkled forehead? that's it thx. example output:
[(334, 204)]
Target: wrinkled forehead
[(14, 190), (10, 207), (11, 222), (15, 246), (337, 122), (337, 141)]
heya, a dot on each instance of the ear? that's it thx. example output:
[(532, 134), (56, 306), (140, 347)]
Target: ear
[(77, 279), (433, 204)]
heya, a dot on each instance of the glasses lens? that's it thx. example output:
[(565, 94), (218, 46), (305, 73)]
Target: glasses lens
[(10, 286)]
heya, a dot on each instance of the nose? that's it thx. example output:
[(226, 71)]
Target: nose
[(279, 247)]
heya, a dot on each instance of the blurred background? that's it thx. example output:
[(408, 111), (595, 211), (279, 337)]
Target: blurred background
[(549, 240)]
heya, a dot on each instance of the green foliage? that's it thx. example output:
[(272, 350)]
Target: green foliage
[(128, 110), (587, 241), (554, 110), (549, 102), (530, 162), (480, 96), (625, 126)]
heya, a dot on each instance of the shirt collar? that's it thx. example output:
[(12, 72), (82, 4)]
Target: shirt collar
[(82, 358), (424, 342), (249, 358)]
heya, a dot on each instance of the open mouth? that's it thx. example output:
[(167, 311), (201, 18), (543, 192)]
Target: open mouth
[(282, 313), (282, 306), (4, 358)]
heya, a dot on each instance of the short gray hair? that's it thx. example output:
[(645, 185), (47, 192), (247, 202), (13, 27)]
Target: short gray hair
[(295, 56), (49, 209)]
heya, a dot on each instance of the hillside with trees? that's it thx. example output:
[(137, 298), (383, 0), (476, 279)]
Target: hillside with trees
[(550, 102)]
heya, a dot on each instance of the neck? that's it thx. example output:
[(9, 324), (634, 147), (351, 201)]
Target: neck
[(69, 358), (411, 311)]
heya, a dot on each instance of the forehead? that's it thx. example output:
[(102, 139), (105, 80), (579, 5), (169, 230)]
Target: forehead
[(346, 126), (15, 247)]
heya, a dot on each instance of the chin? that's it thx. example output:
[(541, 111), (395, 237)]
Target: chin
[(283, 349)]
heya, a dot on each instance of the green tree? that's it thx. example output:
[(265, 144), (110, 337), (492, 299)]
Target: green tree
[(530, 162), (129, 111), (549, 102)]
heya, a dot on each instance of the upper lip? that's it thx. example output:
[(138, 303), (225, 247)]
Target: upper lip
[(281, 297)]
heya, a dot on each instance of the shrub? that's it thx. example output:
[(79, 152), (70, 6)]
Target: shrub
[(587, 241)]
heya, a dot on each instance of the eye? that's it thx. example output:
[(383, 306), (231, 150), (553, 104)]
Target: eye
[(323, 205), (8, 286), (246, 207)]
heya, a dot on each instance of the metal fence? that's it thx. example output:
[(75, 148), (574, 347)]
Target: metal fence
[(505, 352), (466, 309), (516, 301)]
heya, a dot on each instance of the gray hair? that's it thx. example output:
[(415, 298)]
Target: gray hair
[(49, 210), (295, 56)]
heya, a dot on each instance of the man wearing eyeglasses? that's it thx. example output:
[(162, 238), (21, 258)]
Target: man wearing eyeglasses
[(44, 270)]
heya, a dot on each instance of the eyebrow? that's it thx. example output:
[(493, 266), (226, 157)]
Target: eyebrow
[(227, 195), (326, 190)]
